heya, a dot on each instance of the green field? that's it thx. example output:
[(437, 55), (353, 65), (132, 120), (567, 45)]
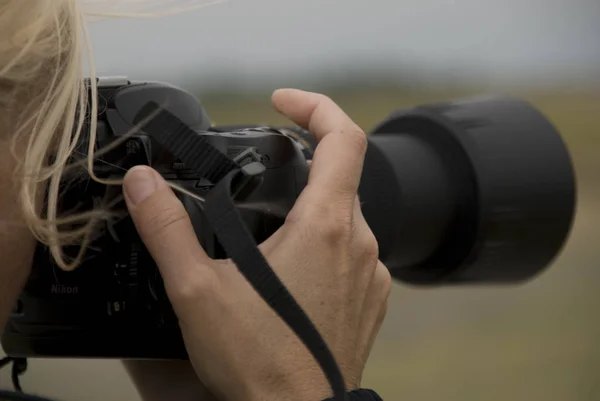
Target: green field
[(536, 342)]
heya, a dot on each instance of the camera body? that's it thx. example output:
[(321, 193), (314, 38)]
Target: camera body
[(114, 304), (478, 191)]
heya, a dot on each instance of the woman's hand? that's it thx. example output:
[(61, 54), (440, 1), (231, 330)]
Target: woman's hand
[(325, 254)]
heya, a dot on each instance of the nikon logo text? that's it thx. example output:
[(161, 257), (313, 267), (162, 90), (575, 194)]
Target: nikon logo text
[(60, 289)]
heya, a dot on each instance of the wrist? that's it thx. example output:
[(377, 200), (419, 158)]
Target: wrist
[(361, 395), (309, 386), (162, 380)]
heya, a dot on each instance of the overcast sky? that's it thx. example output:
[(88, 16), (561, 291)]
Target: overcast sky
[(505, 39)]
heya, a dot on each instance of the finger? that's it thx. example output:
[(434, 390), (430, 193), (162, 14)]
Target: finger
[(312, 111), (163, 224), (338, 159)]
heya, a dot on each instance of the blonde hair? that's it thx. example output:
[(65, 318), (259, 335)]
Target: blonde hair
[(44, 100)]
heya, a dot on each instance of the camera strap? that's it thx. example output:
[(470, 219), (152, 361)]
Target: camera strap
[(231, 231)]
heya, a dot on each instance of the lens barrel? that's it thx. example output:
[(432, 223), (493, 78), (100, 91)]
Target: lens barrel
[(472, 191)]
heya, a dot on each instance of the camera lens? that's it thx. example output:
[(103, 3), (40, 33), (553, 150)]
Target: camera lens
[(473, 191)]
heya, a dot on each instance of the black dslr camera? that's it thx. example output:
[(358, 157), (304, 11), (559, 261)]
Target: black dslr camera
[(478, 191)]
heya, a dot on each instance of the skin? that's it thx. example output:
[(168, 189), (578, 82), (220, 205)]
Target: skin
[(340, 283)]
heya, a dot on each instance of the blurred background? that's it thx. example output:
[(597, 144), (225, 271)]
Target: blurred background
[(536, 342)]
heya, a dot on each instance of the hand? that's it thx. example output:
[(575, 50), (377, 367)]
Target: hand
[(325, 254)]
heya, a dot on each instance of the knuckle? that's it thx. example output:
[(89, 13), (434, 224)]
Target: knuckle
[(334, 229), (382, 312), (383, 281), (328, 228), (166, 217), (328, 219), (324, 103), (358, 137), (331, 233), (194, 288), (324, 99), (367, 255), (369, 246)]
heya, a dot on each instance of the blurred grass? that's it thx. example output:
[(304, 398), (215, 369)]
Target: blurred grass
[(537, 342)]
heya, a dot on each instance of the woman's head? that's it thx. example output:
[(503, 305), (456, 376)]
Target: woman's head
[(43, 103), (41, 83)]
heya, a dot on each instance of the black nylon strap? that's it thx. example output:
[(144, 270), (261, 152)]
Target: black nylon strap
[(6, 395), (361, 395), (240, 246), (234, 236), (183, 142)]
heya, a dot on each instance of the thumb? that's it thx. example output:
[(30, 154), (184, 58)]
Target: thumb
[(164, 226)]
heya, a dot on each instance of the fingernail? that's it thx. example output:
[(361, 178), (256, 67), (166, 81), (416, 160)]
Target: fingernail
[(139, 183)]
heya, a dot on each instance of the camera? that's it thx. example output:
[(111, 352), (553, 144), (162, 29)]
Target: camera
[(475, 191)]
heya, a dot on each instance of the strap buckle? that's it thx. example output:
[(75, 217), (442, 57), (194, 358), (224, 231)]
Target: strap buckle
[(250, 177)]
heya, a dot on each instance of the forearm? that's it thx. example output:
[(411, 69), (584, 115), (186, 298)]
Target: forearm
[(167, 380), (362, 395)]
